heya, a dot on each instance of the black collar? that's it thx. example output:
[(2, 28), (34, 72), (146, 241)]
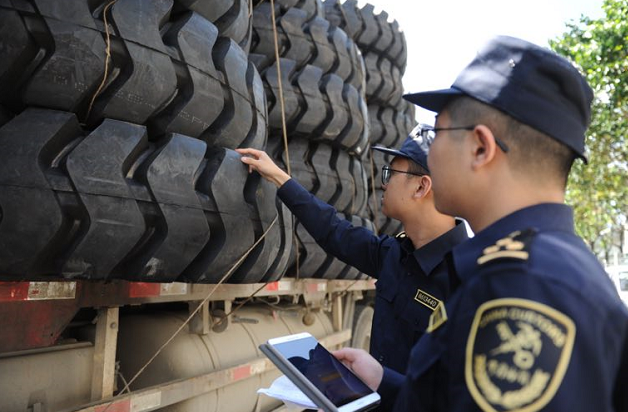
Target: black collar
[(433, 253)]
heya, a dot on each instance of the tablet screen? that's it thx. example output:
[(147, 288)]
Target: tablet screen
[(325, 372)]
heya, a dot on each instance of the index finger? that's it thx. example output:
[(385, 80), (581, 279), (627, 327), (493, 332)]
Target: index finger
[(249, 151)]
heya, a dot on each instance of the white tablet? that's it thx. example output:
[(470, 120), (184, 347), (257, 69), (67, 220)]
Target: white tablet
[(322, 377)]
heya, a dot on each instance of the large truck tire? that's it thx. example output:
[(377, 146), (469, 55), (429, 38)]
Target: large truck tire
[(231, 17), (390, 126), (170, 69), (330, 174), (306, 39), (317, 106), (313, 8), (373, 33), (313, 262), (383, 81), (112, 203)]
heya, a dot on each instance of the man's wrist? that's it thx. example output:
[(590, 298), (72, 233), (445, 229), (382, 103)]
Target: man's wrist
[(280, 179)]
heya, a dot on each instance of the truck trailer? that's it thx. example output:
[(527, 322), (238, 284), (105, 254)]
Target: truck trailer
[(141, 265)]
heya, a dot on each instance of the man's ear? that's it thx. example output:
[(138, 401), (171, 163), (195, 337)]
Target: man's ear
[(424, 186), (484, 148)]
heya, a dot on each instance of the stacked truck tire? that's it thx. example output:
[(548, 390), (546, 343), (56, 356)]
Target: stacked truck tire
[(123, 167), (119, 120), (322, 78), (391, 118), (124, 204)]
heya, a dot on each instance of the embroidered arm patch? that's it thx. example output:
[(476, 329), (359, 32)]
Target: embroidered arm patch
[(517, 354)]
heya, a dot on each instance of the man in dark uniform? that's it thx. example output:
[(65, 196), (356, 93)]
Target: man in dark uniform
[(412, 275), (535, 323)]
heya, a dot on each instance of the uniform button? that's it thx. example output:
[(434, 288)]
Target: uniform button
[(381, 358)]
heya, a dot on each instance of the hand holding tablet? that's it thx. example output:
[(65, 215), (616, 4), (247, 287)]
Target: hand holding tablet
[(323, 378)]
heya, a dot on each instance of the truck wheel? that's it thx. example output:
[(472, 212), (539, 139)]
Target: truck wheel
[(362, 325)]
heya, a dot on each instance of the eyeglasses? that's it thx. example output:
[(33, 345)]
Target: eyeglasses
[(425, 135), (387, 172)]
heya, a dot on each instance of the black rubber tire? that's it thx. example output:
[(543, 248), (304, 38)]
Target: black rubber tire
[(5, 116), (389, 126), (330, 174), (169, 69), (280, 264), (313, 8), (372, 32), (314, 262), (383, 81), (317, 106), (231, 17), (306, 39), (111, 203)]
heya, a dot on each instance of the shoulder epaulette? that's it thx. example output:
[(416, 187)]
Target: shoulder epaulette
[(401, 235), (514, 246)]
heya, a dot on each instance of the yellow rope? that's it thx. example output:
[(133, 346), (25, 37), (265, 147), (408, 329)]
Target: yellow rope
[(233, 268), (279, 80), (284, 128), (107, 59)]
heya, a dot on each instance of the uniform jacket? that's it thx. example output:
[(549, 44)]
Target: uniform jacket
[(535, 324), (410, 282)]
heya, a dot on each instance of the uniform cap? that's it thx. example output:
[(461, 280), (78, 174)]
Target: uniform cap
[(412, 149), (532, 84)]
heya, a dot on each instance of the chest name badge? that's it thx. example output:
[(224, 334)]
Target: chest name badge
[(426, 299), (517, 354)]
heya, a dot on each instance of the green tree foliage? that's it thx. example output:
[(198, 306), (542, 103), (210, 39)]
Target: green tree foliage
[(599, 191)]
